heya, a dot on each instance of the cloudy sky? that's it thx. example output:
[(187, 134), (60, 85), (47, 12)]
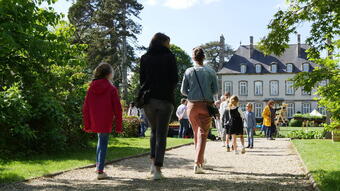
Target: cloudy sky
[(190, 23)]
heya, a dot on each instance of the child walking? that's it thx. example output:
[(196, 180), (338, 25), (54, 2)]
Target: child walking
[(101, 107), (233, 121), (250, 124)]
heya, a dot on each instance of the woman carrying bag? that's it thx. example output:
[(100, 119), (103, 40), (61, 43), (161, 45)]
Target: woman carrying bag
[(200, 85)]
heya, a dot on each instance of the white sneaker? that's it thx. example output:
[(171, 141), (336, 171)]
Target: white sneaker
[(243, 150), (102, 176), (198, 169), (157, 175), (152, 169), (236, 152)]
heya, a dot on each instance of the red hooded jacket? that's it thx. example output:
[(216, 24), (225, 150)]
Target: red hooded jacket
[(101, 107)]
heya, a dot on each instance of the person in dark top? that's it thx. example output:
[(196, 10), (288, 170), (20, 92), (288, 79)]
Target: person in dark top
[(159, 77)]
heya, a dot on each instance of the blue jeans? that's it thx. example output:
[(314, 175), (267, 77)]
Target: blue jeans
[(270, 130), (250, 135), (143, 128), (103, 139), (183, 128)]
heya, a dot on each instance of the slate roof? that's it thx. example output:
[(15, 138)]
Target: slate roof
[(242, 56)]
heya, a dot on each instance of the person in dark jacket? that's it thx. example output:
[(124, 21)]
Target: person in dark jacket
[(101, 107), (158, 76)]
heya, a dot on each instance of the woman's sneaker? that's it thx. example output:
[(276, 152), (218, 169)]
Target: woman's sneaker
[(152, 169), (102, 176), (198, 169), (157, 175)]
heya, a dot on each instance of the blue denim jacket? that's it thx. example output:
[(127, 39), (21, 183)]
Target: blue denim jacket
[(208, 81), (250, 121)]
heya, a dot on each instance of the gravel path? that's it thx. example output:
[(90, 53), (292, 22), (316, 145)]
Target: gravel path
[(271, 165)]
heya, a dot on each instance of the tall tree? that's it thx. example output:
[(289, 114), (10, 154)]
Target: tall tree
[(324, 36), (104, 25), (213, 50)]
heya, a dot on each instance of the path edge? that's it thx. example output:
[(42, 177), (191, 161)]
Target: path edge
[(51, 175), (308, 173)]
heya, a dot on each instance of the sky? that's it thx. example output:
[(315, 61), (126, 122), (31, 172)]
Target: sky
[(190, 23)]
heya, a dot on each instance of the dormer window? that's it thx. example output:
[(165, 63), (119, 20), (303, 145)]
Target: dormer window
[(305, 67), (243, 68), (289, 67), (258, 68), (273, 68)]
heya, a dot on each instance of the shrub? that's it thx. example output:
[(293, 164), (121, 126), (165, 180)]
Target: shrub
[(308, 116), (131, 127), (305, 134), (295, 123)]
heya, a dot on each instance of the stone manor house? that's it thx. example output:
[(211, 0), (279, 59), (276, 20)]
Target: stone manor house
[(257, 78)]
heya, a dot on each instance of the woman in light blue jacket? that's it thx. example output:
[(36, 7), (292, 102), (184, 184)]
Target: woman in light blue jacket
[(250, 124)]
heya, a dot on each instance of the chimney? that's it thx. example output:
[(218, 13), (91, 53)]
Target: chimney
[(251, 46), (299, 45), (222, 52)]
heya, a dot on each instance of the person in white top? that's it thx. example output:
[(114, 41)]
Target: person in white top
[(182, 116), (223, 107), (133, 110)]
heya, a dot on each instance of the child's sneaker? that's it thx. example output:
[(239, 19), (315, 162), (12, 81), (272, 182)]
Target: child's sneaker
[(101, 176), (243, 150), (198, 169)]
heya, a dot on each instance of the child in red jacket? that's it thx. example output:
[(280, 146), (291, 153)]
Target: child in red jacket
[(101, 107)]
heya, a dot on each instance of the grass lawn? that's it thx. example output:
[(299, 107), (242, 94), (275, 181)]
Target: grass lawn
[(322, 158), (38, 165)]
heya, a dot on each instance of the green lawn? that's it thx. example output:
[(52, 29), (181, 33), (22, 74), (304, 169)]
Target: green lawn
[(322, 158), (38, 165)]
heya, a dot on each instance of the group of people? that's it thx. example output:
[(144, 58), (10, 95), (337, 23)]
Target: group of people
[(134, 111), (158, 80), (233, 121)]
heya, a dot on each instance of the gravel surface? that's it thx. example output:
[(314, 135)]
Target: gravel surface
[(271, 165)]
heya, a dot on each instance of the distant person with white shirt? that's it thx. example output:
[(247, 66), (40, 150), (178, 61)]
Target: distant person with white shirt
[(223, 107), (133, 110), (182, 115)]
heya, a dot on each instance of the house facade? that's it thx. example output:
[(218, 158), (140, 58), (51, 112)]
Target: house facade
[(256, 78)]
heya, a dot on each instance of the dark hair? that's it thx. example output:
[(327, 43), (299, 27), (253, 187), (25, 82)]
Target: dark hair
[(183, 100), (198, 54), (102, 70), (270, 102), (158, 40), (227, 94)]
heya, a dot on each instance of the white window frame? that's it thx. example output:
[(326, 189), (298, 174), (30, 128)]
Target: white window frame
[(271, 89), (272, 68), (305, 69), (290, 110), (243, 69), (305, 93), (322, 110), (230, 87), (306, 107), (243, 84), (290, 88), (289, 67), (243, 106), (258, 108), (258, 92), (258, 68)]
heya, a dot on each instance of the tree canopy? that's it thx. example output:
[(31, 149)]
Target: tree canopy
[(212, 53), (324, 37)]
